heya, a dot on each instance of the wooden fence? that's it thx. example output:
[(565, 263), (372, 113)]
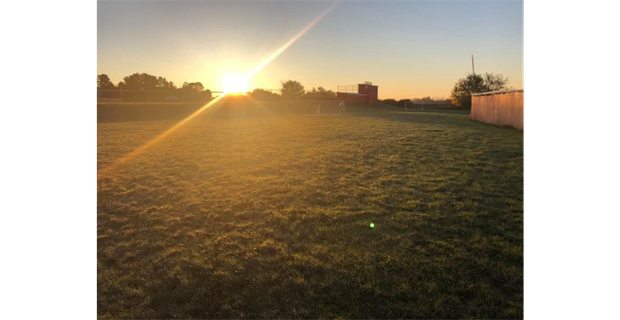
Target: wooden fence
[(503, 108)]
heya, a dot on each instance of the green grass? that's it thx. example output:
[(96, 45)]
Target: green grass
[(269, 217)]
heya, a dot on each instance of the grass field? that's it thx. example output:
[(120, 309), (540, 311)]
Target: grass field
[(269, 217)]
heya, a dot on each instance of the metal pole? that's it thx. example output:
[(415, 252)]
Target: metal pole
[(472, 64)]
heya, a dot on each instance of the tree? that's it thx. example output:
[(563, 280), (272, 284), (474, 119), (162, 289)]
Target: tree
[(193, 86), (401, 103), (145, 81), (162, 83), (495, 82), (320, 94), (264, 95), (139, 81), (292, 89), (391, 102), (423, 100), (103, 82), (429, 100), (475, 83)]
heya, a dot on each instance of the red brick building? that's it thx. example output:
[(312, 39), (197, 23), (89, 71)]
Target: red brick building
[(366, 93)]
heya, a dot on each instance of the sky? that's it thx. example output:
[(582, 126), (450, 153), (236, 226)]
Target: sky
[(409, 49)]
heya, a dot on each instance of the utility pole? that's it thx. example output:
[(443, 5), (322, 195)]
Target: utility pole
[(472, 64)]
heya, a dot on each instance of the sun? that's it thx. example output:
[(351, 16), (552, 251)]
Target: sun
[(235, 83)]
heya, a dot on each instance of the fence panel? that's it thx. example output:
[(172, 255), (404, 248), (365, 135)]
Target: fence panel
[(503, 108)]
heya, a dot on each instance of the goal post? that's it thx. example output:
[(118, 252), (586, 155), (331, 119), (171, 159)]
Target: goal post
[(295, 107), (330, 106)]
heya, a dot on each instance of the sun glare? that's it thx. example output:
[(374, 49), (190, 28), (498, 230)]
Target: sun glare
[(235, 83)]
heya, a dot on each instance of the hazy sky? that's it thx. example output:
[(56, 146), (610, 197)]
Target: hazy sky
[(409, 48)]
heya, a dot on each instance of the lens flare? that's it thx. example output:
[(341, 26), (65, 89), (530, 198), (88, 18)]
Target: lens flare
[(295, 38), (155, 140), (235, 83)]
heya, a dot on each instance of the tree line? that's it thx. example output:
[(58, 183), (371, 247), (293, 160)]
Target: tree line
[(461, 93), (145, 81), (416, 101), (289, 90), (294, 90)]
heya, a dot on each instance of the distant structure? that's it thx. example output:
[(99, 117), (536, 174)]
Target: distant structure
[(358, 93)]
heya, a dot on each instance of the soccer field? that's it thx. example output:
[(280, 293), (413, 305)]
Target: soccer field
[(270, 217)]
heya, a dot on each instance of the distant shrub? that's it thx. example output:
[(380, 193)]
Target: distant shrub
[(391, 102), (320, 94), (401, 103), (264, 95)]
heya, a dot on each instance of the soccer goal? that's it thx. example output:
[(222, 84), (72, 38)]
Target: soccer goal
[(292, 107)]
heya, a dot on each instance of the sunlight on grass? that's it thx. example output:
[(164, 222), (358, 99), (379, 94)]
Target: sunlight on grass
[(271, 216)]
